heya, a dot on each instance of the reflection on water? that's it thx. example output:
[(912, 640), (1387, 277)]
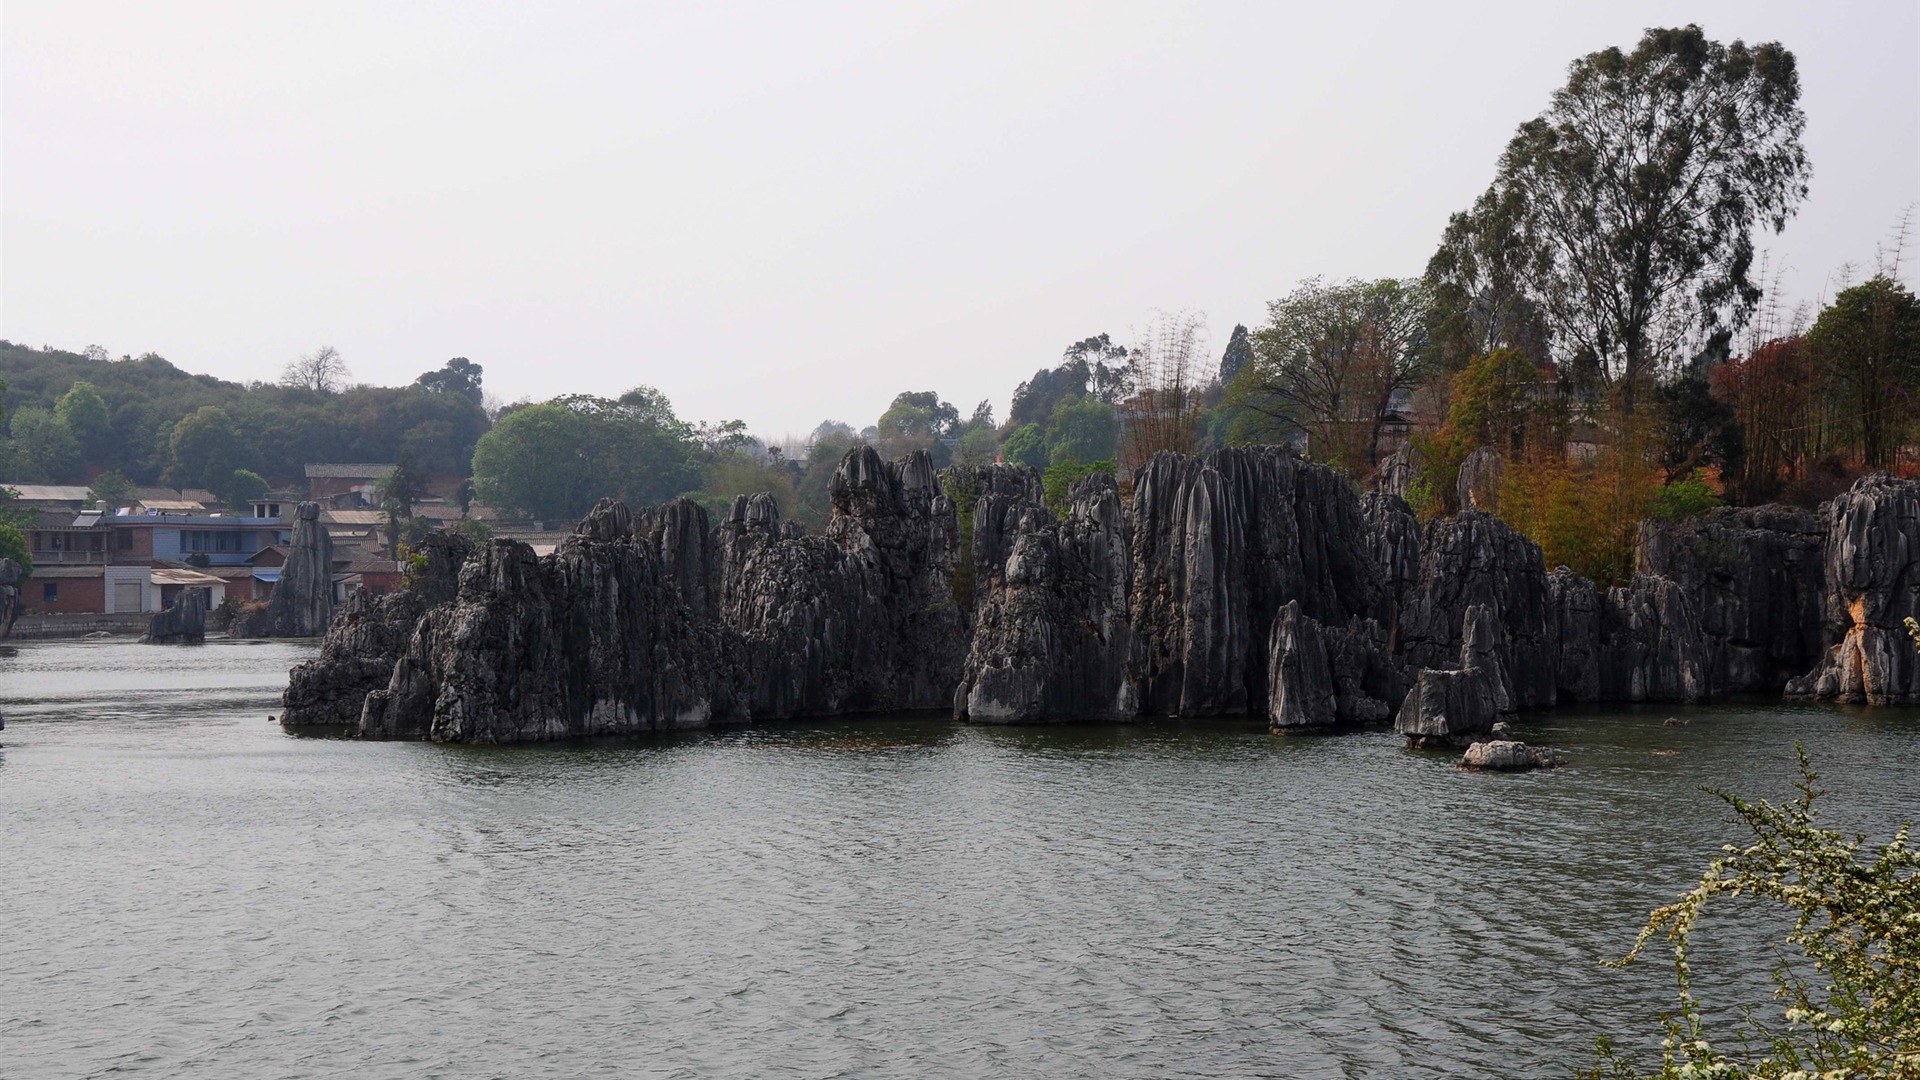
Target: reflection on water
[(191, 892)]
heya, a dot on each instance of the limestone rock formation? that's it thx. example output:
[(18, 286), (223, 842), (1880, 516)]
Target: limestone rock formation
[(1393, 542), (184, 622), (1872, 572), (1395, 475), (592, 640), (1478, 485), (1756, 576), (11, 574), (1321, 676), (1641, 642), (301, 604), (1219, 544), (1506, 755), (1471, 559), (366, 639), (1051, 640)]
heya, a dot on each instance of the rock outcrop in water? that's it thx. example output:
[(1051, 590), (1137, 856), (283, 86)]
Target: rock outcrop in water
[(1872, 585), (183, 622), (11, 574), (301, 604), (1219, 544), (367, 637), (1756, 577), (1051, 639), (1245, 581)]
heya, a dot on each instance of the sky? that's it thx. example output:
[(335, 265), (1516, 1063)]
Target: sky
[(785, 213)]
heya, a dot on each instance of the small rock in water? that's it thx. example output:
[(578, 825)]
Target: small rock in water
[(1507, 755), (1674, 721), (1502, 730)]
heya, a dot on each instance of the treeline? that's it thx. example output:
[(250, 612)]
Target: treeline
[(70, 416), (1596, 318)]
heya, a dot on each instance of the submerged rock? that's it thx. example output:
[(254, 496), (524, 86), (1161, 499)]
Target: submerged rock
[(1872, 579)]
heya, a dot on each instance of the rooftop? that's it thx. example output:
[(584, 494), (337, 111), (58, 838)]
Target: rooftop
[(50, 492), (358, 471)]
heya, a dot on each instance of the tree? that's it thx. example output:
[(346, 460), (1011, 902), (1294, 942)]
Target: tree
[(916, 421), (1774, 393), (1238, 355), (111, 489), (1026, 446), (1332, 358), (244, 487), (554, 460), (1082, 431), (1169, 374), (1091, 367), (86, 416), (203, 449), (13, 545), (322, 371), (1632, 200), (1869, 342), (458, 376), (43, 448)]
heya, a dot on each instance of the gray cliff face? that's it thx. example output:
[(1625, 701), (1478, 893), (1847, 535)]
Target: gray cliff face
[(301, 604), (861, 618), (592, 640), (1757, 577), (1642, 642), (1872, 570), (1243, 582), (1320, 676), (1478, 485), (1219, 544), (11, 574), (184, 622), (1471, 559), (1051, 640), (366, 639), (1448, 706)]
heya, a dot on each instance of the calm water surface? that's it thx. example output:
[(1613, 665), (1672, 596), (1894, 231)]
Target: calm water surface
[(187, 891)]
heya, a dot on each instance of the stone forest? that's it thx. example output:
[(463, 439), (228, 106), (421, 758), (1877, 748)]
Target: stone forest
[(1243, 582)]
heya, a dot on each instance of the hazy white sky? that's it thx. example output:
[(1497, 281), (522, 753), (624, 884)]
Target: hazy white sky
[(788, 212)]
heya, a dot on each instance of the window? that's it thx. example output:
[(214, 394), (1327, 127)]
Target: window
[(126, 539), (50, 592)]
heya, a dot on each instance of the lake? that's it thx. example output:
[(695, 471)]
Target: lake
[(186, 890)]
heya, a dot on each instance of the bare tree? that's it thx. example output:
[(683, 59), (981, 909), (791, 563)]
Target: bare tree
[(321, 370), (1171, 369)]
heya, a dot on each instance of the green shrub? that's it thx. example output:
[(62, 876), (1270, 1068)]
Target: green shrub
[(1851, 999), (1686, 498)]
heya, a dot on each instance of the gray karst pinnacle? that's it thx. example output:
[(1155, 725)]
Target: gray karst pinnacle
[(1246, 581), (183, 622), (301, 604)]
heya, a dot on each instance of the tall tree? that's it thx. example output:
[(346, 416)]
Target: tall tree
[(1332, 358), (204, 450), (86, 416), (1869, 341), (458, 376), (1631, 202), (1238, 355), (1169, 372), (43, 449)]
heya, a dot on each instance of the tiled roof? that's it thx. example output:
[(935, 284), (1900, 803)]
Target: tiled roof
[(360, 471), (353, 518), (50, 492)]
